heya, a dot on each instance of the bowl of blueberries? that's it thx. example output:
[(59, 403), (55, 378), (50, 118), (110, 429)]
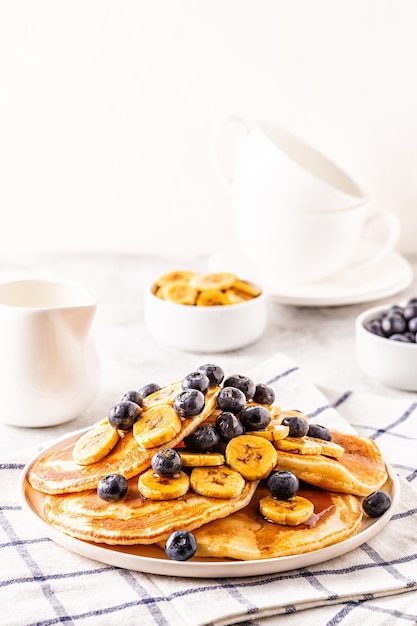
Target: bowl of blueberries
[(386, 344)]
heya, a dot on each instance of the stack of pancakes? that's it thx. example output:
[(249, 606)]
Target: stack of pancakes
[(224, 527)]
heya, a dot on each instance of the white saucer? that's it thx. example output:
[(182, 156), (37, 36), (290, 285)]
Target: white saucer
[(356, 284)]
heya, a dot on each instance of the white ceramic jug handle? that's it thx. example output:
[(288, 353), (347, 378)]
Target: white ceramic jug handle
[(214, 133), (393, 226)]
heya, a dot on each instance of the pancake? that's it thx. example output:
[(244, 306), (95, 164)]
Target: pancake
[(57, 472), (134, 519), (246, 535), (359, 471)]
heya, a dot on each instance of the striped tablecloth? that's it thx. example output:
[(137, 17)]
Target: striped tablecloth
[(43, 583)]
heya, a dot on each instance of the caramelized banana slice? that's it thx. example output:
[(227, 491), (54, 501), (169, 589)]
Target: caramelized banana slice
[(247, 288), (212, 297), (252, 456), (299, 445), (288, 512), (156, 487), (235, 297), (200, 459), (156, 426), (272, 432), (329, 448), (279, 431), (180, 293), (177, 276), (217, 482), (95, 444), (165, 395), (218, 280), (265, 434)]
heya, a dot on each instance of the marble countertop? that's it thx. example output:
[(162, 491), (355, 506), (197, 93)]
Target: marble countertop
[(319, 339)]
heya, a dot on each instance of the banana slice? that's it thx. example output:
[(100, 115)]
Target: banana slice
[(288, 512), (180, 293), (165, 395), (299, 445), (219, 280), (101, 422), (156, 426), (247, 288), (265, 434), (292, 413), (157, 487), (252, 456), (199, 459), (217, 482), (95, 444), (177, 276), (212, 297), (329, 448), (235, 297), (279, 431)]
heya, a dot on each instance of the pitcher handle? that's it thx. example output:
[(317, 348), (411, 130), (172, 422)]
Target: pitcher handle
[(214, 133)]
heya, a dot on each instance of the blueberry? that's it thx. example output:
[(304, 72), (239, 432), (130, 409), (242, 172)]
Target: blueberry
[(204, 438), (319, 432), (244, 383), (189, 403), (298, 426), (395, 308), (255, 418), (112, 487), (264, 394), (404, 337), (196, 380), (123, 415), (146, 390), (394, 323), (374, 326), (181, 545), (412, 325), (133, 396), (214, 373), (410, 310), (166, 462), (231, 399), (376, 503), (283, 485), (228, 426)]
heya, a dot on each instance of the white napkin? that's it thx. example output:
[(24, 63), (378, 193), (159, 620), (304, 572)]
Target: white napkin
[(42, 583)]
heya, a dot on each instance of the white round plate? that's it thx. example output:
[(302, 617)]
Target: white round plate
[(151, 559), (356, 284)]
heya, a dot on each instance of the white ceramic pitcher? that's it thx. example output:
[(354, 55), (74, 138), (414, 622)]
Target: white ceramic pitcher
[(49, 369)]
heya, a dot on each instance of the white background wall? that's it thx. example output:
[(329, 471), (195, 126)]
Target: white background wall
[(105, 108)]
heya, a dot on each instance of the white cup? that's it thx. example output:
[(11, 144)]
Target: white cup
[(277, 171), (297, 217), (302, 248), (49, 370)]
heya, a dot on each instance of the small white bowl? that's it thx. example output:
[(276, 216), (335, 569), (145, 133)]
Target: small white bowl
[(393, 363), (205, 328)]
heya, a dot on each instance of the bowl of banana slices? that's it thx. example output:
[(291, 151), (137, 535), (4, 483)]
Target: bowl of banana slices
[(194, 312)]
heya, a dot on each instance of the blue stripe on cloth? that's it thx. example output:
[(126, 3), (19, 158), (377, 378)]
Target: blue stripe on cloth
[(390, 569), (21, 542), (403, 418), (366, 606), (333, 405), (284, 374), (236, 595), (140, 590), (34, 568)]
